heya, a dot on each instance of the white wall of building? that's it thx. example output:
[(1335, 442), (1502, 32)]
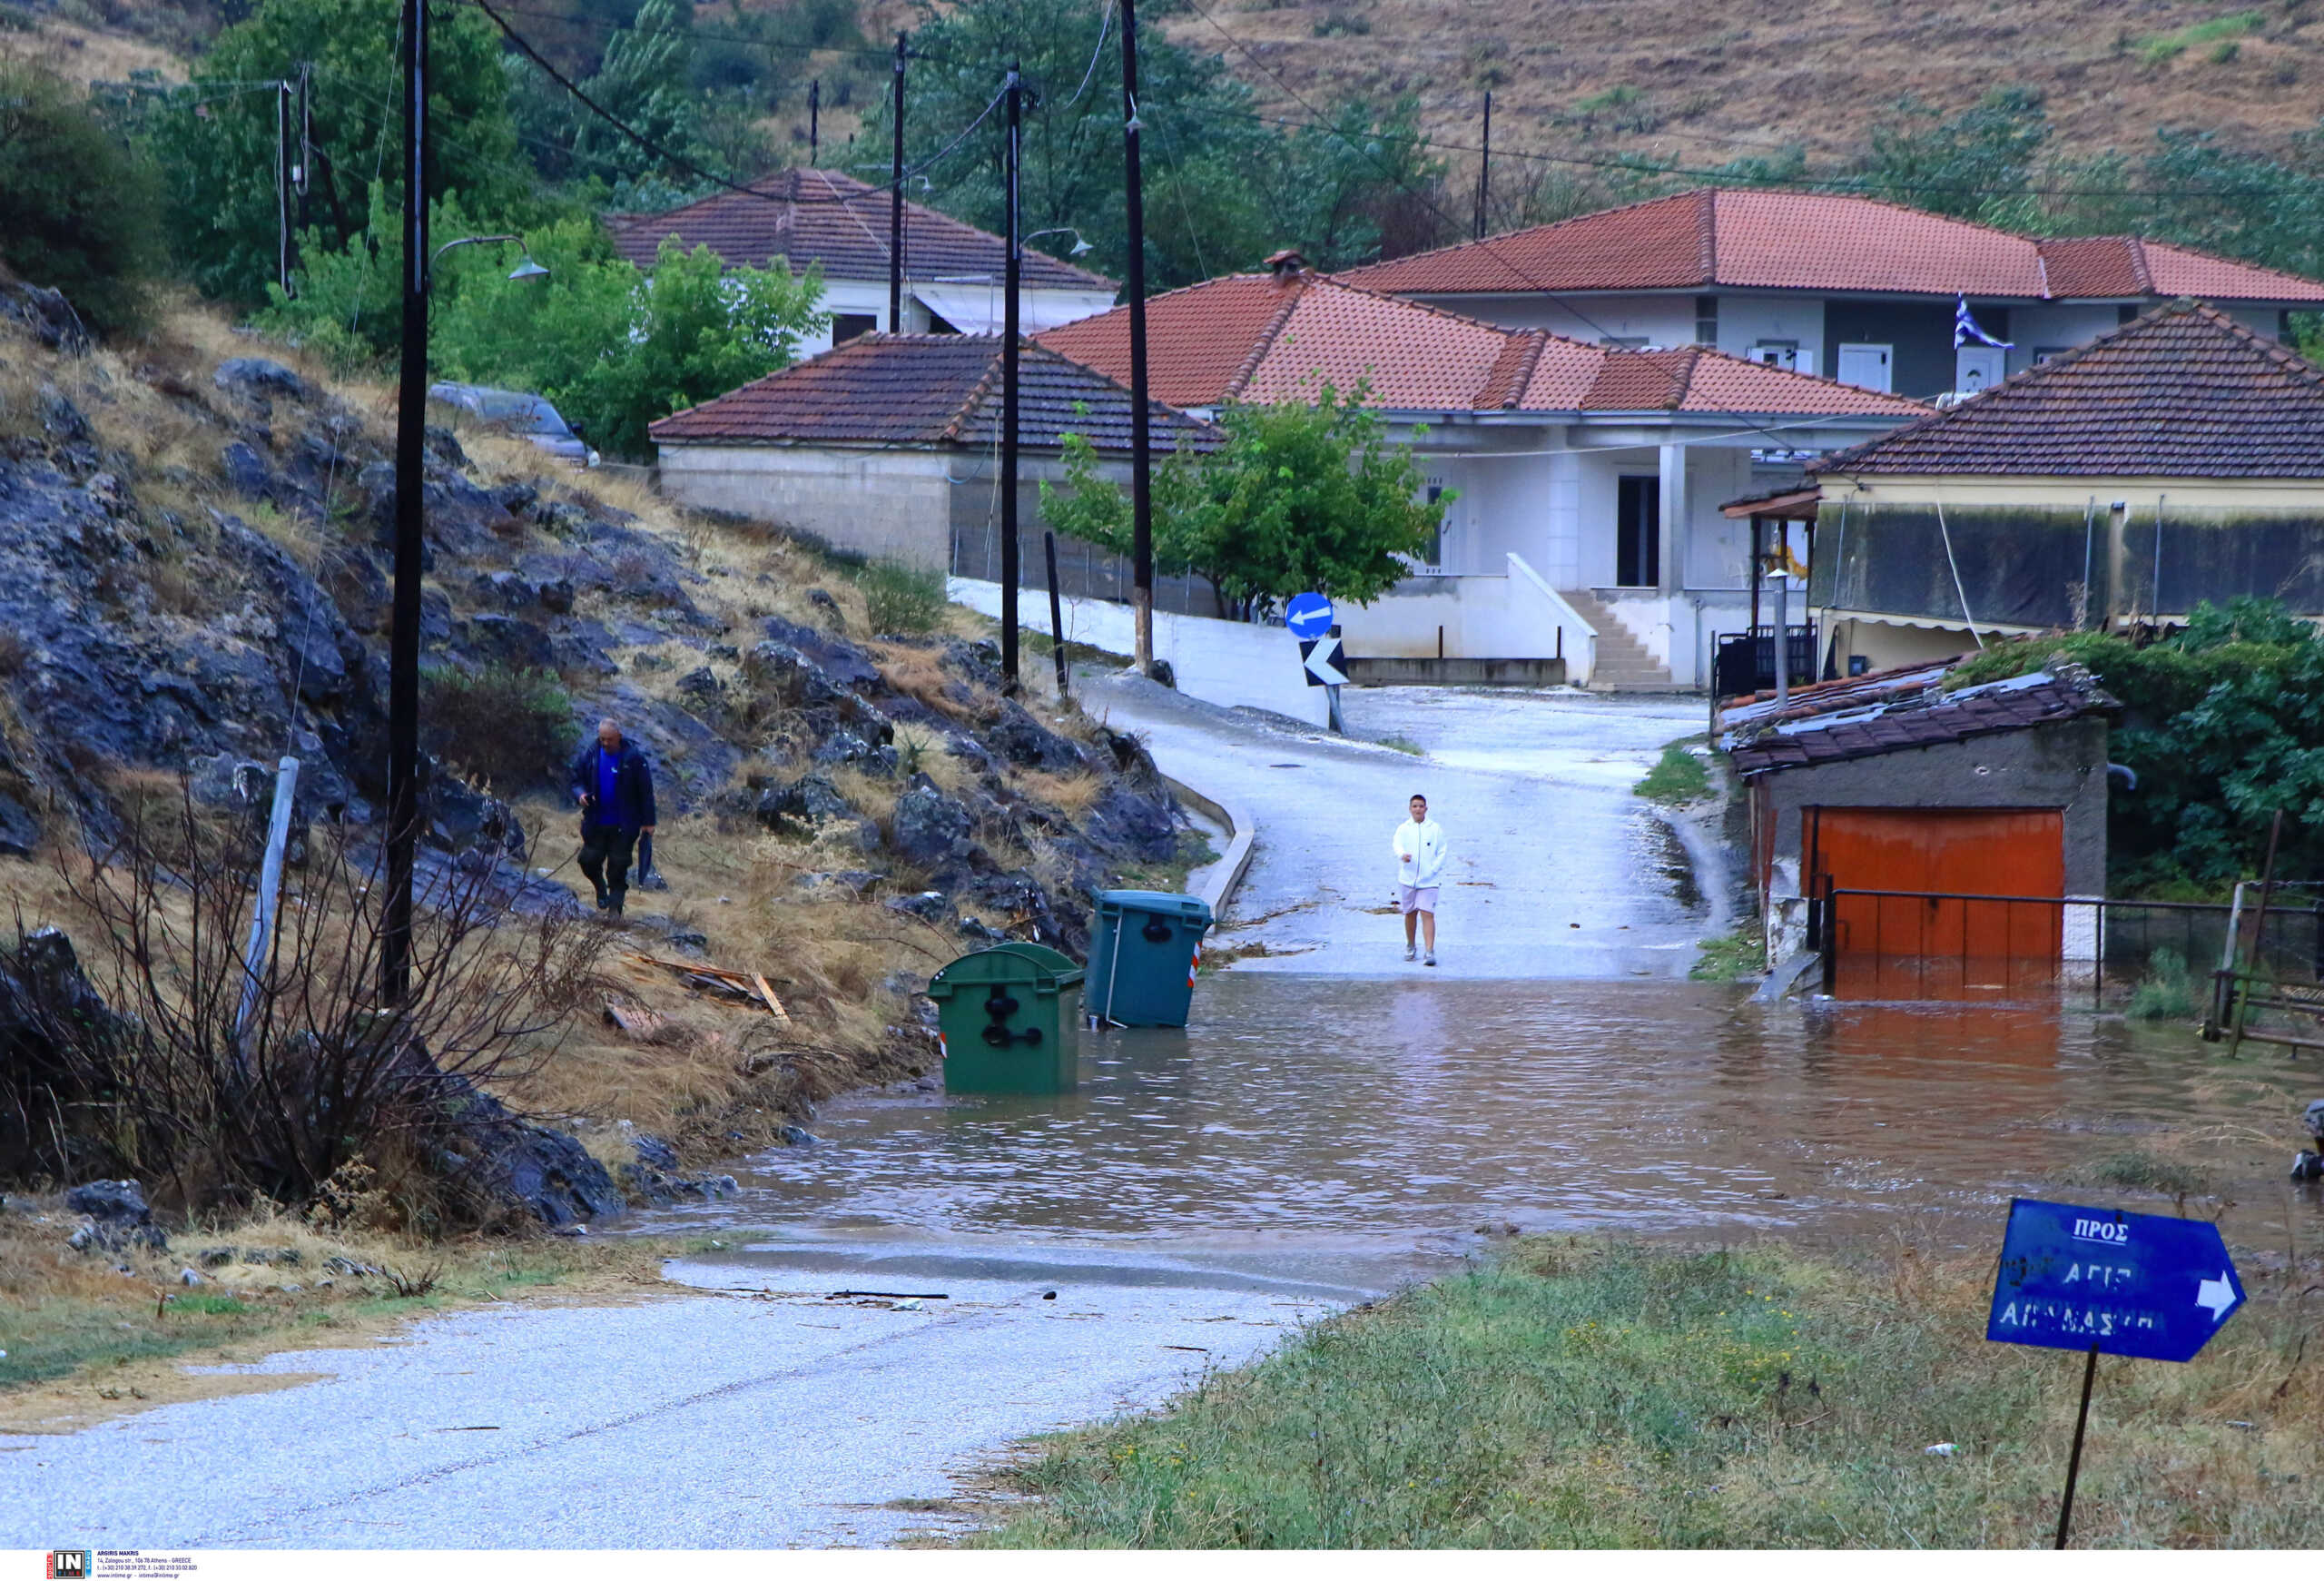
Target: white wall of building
[(1225, 662), (1514, 614), (1746, 322), (979, 305), (2057, 325), (887, 504), (1660, 320)]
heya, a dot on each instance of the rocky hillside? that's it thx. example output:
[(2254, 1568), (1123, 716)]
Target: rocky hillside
[(193, 576)]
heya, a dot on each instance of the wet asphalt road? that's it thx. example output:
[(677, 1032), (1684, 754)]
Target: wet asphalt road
[(769, 1415), (1555, 869)]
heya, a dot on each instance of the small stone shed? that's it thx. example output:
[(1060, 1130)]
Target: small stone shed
[(890, 445), (1889, 782)]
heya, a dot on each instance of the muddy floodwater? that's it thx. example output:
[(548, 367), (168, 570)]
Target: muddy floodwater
[(1303, 1118)]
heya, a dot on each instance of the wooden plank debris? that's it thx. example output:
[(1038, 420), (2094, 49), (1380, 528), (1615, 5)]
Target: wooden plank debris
[(751, 988)]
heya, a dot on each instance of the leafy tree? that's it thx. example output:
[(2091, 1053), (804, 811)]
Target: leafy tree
[(613, 348), (215, 143), (79, 210), (1223, 187), (1299, 499), (1973, 165)]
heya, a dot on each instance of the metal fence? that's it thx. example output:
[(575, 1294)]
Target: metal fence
[(1936, 944), (1083, 569), (1746, 660)]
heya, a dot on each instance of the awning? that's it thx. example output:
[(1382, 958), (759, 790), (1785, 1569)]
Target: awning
[(978, 309), (1796, 505)]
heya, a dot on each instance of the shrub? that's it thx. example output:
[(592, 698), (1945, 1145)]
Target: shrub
[(507, 727), (79, 210), (902, 599), (2165, 993), (1677, 778)]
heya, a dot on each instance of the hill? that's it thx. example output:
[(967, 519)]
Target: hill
[(1587, 80)]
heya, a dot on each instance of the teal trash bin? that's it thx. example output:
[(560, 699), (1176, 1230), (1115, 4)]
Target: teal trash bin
[(1142, 962), (1008, 1019)]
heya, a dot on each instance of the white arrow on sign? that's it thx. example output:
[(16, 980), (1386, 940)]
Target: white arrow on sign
[(1323, 662), (2217, 1296)]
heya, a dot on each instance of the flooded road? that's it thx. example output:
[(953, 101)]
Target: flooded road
[(1327, 1128)]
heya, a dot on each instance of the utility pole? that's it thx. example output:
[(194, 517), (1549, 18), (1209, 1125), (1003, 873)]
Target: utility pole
[(1009, 547), (1484, 168), (814, 123), (896, 197), (403, 630), (1141, 440)]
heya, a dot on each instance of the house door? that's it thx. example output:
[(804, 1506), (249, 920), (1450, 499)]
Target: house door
[(1867, 367), (1638, 532), (1976, 368), (1926, 851)]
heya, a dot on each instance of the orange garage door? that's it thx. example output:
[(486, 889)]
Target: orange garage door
[(1946, 852)]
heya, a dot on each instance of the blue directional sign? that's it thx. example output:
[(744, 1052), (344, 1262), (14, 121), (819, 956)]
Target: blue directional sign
[(1309, 615), (2128, 1284)]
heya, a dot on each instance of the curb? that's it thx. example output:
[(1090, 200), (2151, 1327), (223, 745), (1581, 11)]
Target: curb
[(1241, 827)]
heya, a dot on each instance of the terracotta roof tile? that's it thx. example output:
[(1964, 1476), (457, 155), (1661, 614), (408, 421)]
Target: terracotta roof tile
[(849, 236), (1258, 338), (915, 390), (2184, 391), (1846, 729), (1753, 238)]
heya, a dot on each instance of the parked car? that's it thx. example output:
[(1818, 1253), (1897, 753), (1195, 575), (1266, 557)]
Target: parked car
[(514, 411)]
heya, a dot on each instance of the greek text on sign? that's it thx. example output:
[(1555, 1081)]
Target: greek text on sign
[(1323, 664), (2128, 1284)]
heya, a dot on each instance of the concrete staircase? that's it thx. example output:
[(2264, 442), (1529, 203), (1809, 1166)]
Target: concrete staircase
[(1623, 663)]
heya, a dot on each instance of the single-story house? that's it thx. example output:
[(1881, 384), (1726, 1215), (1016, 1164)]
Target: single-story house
[(2177, 460), (953, 271), (888, 446), (1586, 526), (1857, 288), (1889, 782)]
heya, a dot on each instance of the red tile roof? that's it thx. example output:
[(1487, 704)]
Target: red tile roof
[(1829, 241), (1283, 336), (2184, 391), (925, 390), (1866, 716), (820, 216)]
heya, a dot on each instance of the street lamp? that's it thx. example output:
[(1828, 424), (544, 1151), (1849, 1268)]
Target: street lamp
[(1077, 249), (525, 269)]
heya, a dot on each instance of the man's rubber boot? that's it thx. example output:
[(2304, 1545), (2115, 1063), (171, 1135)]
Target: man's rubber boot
[(604, 899), (619, 896)]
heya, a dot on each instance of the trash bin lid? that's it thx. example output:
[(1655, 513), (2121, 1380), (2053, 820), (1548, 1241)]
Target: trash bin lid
[(1033, 964), (1159, 902)]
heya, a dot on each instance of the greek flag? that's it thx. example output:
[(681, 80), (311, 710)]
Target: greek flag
[(1965, 330)]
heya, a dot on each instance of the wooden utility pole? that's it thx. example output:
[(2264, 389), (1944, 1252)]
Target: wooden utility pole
[(815, 125), (403, 627), (896, 197), (1141, 440), (1484, 168), (1008, 320)]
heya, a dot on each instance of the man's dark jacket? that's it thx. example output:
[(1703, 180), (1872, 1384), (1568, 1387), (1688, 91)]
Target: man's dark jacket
[(632, 805)]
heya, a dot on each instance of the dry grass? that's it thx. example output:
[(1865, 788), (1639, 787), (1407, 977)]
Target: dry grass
[(918, 673), (82, 55), (1074, 794)]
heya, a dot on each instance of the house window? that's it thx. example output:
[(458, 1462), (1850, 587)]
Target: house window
[(1638, 531), (1777, 353), (1433, 555), (2124, 313), (1706, 320), (1866, 366), (845, 327)]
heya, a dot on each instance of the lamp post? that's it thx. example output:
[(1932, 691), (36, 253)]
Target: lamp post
[(1076, 251), (411, 433)]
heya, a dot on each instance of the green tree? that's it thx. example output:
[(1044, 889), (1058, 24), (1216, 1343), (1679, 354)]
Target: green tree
[(1223, 186), (215, 141), (79, 210), (1300, 498), (1974, 165)]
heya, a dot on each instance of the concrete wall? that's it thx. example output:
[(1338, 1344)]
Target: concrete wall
[(2061, 766), (1663, 320), (1225, 662), (1513, 616), (1040, 309), (887, 504)]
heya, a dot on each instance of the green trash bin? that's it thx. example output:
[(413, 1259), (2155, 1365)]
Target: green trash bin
[(1008, 1018), (1142, 961)]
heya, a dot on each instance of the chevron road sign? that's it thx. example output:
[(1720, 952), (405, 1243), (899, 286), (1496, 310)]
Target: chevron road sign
[(1323, 662)]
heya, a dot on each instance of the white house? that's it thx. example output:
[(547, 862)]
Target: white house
[(1588, 476), (953, 270), (1855, 289)]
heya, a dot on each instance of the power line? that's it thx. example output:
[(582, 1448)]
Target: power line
[(681, 162)]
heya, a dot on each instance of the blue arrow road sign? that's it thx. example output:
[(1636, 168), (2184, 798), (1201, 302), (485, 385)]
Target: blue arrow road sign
[(1309, 615), (2128, 1284)]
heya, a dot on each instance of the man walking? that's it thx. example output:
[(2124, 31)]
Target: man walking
[(1420, 864), (616, 790)]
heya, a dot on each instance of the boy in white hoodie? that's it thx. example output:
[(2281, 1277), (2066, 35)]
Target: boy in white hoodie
[(1420, 864)]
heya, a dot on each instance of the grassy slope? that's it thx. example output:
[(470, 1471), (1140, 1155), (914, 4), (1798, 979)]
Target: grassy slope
[(1671, 79), (1584, 1394)]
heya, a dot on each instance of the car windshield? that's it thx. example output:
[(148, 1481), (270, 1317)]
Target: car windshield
[(513, 409)]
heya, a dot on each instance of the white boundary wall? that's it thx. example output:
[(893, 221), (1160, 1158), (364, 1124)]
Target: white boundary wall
[(1515, 615), (1225, 662)]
